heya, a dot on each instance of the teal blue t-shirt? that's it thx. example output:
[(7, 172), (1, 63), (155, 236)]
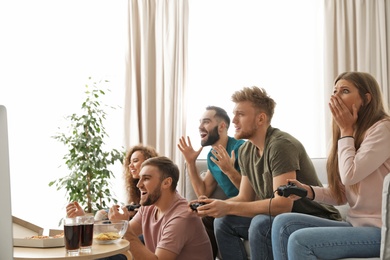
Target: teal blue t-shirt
[(223, 181)]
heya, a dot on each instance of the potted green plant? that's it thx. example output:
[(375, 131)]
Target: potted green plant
[(88, 181)]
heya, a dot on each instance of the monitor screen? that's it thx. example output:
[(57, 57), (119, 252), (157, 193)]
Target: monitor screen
[(6, 238)]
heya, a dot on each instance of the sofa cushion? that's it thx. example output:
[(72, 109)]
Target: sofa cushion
[(201, 165), (385, 242), (320, 167)]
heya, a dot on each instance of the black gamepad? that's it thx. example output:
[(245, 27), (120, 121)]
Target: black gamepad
[(195, 205), (132, 207), (290, 188)]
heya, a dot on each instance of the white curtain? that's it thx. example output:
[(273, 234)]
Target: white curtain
[(357, 39), (156, 76)]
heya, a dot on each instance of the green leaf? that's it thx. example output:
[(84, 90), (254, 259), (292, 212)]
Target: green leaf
[(87, 160)]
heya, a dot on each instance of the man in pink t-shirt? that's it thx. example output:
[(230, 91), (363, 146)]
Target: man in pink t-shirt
[(169, 228)]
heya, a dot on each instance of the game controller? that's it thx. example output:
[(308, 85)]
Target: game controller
[(132, 207), (290, 188), (194, 206)]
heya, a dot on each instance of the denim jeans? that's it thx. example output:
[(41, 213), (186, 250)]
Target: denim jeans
[(208, 223), (301, 236), (231, 230)]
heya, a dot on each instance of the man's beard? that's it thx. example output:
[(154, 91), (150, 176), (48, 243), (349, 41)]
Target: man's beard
[(152, 197), (213, 137), (246, 134)]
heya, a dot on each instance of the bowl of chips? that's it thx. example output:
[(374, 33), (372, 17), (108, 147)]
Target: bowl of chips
[(109, 231)]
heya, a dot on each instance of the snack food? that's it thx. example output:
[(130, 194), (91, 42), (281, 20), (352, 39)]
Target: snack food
[(46, 237), (59, 235), (38, 237), (107, 236)]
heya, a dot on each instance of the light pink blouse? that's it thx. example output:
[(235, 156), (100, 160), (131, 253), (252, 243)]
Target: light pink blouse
[(366, 167)]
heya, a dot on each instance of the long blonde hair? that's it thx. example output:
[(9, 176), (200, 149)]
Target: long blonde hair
[(370, 113)]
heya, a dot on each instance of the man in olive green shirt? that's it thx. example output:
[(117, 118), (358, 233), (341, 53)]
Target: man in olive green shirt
[(267, 161)]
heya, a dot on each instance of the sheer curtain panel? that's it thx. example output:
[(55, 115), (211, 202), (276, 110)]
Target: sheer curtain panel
[(156, 75), (357, 39)]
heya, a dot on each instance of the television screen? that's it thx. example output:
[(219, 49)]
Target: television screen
[(6, 244)]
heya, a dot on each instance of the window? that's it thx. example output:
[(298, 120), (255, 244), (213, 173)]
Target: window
[(51, 47), (271, 44), (49, 50)]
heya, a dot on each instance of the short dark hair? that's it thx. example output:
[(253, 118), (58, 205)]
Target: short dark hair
[(220, 113), (167, 168)]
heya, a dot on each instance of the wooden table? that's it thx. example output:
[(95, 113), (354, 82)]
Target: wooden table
[(55, 253)]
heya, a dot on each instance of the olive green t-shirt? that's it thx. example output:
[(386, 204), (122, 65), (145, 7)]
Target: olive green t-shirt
[(282, 153)]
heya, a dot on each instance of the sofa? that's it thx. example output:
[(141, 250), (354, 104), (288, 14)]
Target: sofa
[(320, 166)]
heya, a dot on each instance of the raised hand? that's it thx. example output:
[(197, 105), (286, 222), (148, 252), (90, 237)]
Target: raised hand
[(343, 117), (115, 214), (74, 209), (190, 155), (223, 160)]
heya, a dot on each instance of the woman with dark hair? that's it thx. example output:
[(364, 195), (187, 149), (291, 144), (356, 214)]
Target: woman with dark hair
[(357, 164)]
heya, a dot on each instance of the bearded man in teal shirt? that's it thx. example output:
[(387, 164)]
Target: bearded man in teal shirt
[(223, 169)]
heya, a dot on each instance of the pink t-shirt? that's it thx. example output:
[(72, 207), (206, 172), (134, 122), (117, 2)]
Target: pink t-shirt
[(179, 231), (368, 167)]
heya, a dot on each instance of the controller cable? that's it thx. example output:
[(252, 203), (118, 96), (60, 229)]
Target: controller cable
[(270, 217)]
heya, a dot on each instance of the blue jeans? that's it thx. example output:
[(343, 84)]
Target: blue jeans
[(302, 236), (230, 231)]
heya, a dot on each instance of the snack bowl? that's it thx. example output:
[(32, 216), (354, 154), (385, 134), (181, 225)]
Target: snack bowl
[(109, 231)]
